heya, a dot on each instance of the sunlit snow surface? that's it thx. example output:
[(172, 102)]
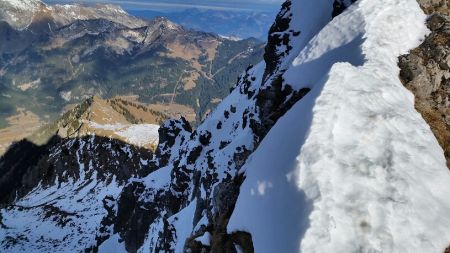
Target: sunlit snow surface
[(135, 134), (82, 200), (352, 167)]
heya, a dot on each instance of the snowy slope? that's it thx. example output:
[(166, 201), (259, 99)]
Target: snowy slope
[(63, 217), (23, 4), (353, 168), (65, 211)]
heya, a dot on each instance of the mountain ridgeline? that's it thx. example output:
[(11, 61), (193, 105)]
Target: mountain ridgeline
[(231, 23), (318, 148), (56, 55)]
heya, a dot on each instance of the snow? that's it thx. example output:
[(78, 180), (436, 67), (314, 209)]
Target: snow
[(308, 17), (135, 134), (113, 244), (140, 134), (182, 222), (82, 198), (205, 239), (64, 216), (24, 4), (159, 178), (353, 167), (232, 38)]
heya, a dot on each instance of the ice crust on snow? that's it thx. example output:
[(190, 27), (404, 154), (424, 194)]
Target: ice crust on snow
[(354, 167)]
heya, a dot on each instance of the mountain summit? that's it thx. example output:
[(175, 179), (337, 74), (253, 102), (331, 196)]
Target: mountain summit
[(28, 13), (318, 148)]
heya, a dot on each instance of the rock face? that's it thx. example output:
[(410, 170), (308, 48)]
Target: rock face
[(64, 187), (59, 160), (426, 72), (431, 6)]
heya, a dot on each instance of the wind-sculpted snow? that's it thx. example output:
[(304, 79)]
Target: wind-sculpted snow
[(353, 168)]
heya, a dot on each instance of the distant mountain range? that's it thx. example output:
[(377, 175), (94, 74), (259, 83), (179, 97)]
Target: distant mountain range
[(55, 56), (238, 24)]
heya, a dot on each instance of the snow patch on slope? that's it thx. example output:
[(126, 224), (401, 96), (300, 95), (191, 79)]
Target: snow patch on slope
[(141, 134), (183, 224), (61, 218), (138, 134), (353, 165)]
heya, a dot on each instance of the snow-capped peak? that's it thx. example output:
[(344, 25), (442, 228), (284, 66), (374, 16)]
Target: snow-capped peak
[(23, 4)]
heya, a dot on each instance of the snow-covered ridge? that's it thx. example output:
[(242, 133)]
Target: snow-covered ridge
[(78, 180), (21, 14), (353, 165), (23, 4)]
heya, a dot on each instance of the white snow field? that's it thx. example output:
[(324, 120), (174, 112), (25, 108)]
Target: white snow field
[(135, 134), (352, 167), (80, 202)]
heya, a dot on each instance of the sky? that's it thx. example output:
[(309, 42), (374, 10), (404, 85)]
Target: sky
[(174, 5)]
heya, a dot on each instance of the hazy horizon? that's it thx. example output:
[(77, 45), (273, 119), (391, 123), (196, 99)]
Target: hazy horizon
[(166, 5)]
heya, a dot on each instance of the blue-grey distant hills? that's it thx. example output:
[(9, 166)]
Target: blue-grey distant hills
[(238, 24)]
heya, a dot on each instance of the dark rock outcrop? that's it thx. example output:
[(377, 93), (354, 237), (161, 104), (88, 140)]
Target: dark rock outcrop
[(25, 164), (339, 6), (425, 71), (435, 6), (279, 36)]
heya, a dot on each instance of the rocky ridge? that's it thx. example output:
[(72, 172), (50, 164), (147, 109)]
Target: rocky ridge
[(66, 172), (103, 118), (425, 71)]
